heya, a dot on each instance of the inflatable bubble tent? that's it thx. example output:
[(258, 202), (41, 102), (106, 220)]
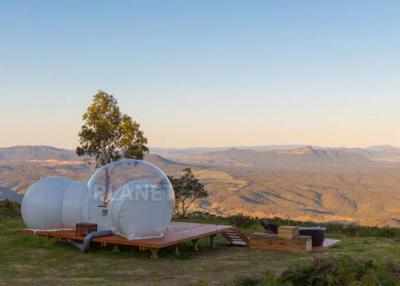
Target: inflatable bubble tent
[(132, 198)]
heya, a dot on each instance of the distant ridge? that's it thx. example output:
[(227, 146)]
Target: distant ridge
[(51, 155), (6, 194), (36, 152), (177, 155), (296, 158), (383, 148), (298, 151), (166, 164)]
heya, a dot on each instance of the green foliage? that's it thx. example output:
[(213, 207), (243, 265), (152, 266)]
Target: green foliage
[(340, 271), (333, 271), (246, 281), (10, 209), (242, 221), (188, 189), (108, 135)]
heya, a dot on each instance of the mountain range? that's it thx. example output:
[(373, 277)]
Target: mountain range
[(301, 158), (359, 185)]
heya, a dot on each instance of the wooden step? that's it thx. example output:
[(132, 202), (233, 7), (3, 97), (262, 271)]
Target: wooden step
[(235, 237), (239, 243)]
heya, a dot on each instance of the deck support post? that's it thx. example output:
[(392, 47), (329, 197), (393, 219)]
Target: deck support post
[(116, 248), (177, 252), (154, 253), (212, 240), (195, 247)]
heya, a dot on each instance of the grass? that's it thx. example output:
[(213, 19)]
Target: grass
[(26, 260)]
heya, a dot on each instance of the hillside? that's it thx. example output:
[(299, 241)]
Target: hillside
[(21, 166), (304, 183), (26, 153), (6, 194)]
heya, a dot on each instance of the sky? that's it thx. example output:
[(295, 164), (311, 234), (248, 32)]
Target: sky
[(204, 73)]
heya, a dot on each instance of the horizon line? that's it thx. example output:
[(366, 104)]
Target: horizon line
[(222, 147)]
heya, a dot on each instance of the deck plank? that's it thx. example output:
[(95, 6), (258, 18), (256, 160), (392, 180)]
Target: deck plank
[(177, 233)]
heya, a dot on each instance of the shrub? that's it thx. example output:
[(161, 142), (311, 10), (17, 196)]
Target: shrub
[(339, 271), (247, 281), (9, 209), (243, 221)]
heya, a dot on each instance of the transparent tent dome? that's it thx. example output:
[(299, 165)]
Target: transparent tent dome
[(133, 198)]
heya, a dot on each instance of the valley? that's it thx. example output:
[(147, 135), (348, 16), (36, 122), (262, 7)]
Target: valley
[(302, 183)]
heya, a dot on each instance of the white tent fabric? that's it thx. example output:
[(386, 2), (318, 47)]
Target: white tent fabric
[(75, 202), (53, 203), (139, 216)]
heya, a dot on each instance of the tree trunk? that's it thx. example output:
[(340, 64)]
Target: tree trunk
[(183, 209), (107, 181)]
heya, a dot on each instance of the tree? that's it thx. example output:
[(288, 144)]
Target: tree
[(108, 135), (188, 189)]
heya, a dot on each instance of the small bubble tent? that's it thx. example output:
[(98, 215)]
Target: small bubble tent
[(131, 198)]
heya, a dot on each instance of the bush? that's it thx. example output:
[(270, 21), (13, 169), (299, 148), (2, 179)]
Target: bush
[(243, 221), (9, 209), (329, 272), (246, 281), (340, 271)]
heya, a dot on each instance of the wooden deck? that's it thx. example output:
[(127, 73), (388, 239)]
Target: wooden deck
[(177, 233)]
